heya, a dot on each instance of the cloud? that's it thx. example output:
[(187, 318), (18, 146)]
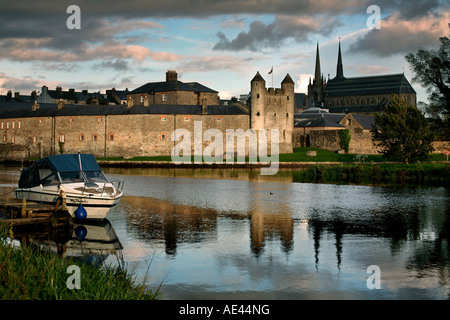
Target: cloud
[(400, 36), (273, 35), (118, 65)]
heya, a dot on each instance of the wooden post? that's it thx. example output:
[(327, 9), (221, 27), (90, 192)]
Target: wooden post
[(24, 208)]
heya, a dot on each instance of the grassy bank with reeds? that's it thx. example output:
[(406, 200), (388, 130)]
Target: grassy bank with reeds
[(27, 273), (377, 173)]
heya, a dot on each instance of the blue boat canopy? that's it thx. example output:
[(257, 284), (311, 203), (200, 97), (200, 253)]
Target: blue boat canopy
[(61, 168)]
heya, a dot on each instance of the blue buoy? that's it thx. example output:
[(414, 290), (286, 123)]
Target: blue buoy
[(81, 232), (80, 213)]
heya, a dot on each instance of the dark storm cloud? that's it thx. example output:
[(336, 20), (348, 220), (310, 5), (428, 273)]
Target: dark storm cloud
[(400, 36), (273, 35)]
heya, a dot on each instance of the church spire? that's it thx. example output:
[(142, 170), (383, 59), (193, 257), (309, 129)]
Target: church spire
[(317, 74), (339, 69)]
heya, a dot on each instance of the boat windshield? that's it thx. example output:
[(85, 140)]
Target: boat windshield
[(85, 176), (95, 176)]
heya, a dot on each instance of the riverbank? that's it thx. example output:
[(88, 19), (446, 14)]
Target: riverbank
[(377, 174), (27, 273)]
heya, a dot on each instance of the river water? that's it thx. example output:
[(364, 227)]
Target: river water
[(234, 234)]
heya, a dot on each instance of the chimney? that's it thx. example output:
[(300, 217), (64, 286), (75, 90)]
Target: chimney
[(129, 102), (204, 106), (17, 95), (9, 94), (60, 104), (34, 95), (146, 103), (171, 76)]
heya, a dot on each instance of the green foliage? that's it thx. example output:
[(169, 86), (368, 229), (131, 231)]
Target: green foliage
[(402, 132), (431, 69), (377, 173), (344, 139), (61, 147), (28, 273)]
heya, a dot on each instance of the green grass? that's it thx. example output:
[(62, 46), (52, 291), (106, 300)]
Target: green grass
[(28, 273), (378, 173)]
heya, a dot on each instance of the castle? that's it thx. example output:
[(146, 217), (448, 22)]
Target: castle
[(143, 125), (141, 122)]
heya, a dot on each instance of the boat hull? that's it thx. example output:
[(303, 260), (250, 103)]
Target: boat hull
[(96, 207)]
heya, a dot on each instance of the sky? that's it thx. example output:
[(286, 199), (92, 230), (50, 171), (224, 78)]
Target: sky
[(218, 43)]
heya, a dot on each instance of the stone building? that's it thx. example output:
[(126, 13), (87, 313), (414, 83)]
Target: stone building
[(173, 92), (318, 128), (135, 129), (365, 95), (273, 108)]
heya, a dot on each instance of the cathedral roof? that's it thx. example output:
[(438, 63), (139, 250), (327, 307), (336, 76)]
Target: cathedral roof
[(372, 85)]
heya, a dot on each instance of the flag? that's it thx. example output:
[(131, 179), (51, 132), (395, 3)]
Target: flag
[(271, 70)]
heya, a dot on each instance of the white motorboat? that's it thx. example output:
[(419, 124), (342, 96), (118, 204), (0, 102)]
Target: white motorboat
[(77, 177)]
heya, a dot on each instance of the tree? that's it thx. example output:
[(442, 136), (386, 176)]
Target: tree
[(344, 139), (402, 132), (431, 69)]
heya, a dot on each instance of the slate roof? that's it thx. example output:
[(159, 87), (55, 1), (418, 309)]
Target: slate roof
[(23, 110), (372, 85), (172, 86), (320, 122)]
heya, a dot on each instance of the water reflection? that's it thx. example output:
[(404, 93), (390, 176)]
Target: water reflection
[(233, 237), (91, 242)]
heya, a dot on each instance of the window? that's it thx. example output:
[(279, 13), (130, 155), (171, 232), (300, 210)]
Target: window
[(81, 137), (2, 125), (163, 136), (257, 96), (287, 115), (274, 114), (40, 121), (187, 119), (94, 137), (142, 99), (71, 119), (35, 139), (99, 119), (5, 138), (13, 125), (62, 138), (163, 118), (19, 124), (219, 119), (164, 97), (182, 137), (13, 139), (7, 124), (349, 122), (111, 137)]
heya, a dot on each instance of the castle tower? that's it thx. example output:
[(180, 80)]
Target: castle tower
[(273, 108), (258, 97), (287, 86), (316, 89)]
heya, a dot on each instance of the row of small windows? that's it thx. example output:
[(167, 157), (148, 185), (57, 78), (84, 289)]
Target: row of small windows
[(11, 124), (363, 100), (81, 137), (164, 98)]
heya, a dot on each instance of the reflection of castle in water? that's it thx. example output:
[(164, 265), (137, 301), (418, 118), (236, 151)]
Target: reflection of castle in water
[(171, 224)]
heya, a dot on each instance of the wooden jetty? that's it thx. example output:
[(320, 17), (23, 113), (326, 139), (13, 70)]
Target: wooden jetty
[(26, 213)]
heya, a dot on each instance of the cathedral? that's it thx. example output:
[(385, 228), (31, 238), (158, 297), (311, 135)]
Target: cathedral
[(362, 95)]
